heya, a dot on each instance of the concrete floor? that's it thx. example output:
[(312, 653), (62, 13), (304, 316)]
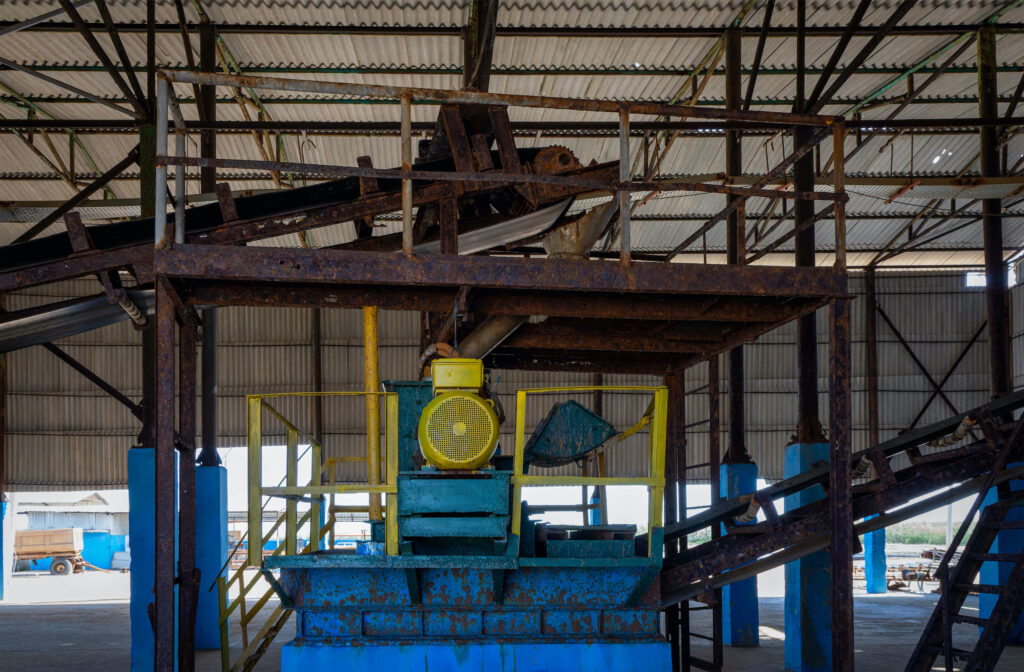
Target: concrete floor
[(55, 624)]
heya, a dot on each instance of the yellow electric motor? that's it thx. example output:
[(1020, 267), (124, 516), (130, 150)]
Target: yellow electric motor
[(458, 428)]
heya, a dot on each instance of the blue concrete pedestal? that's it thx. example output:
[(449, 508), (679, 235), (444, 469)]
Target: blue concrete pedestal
[(996, 573), (808, 617), (211, 549), (142, 544), (582, 656), (739, 600), (874, 560)]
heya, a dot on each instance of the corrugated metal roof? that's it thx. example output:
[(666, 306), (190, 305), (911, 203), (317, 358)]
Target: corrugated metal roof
[(424, 53)]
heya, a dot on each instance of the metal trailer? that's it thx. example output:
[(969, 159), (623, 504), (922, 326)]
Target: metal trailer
[(64, 546)]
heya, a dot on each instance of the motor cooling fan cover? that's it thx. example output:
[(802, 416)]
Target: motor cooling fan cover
[(458, 430)]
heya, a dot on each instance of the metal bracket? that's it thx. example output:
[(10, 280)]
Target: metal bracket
[(226, 201)]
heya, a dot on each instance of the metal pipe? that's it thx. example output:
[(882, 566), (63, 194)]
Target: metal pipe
[(371, 375), (992, 227), (179, 170), (489, 335), (483, 98), (407, 232), (160, 188), (623, 196), (28, 23)]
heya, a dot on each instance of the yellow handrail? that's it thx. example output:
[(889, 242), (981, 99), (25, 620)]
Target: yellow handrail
[(256, 404), (654, 481)]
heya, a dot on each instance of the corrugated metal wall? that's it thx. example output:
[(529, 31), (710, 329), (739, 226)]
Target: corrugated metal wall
[(65, 433)]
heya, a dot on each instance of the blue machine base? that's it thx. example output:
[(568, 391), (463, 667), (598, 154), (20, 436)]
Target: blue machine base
[(654, 656)]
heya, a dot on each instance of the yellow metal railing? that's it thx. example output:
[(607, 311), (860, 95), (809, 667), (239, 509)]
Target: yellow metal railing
[(257, 406), (655, 418)]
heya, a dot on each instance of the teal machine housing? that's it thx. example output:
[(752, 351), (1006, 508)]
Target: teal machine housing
[(464, 593)]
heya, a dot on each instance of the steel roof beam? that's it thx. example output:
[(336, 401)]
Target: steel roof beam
[(824, 31)]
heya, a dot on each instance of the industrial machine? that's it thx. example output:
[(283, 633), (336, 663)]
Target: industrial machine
[(462, 573)]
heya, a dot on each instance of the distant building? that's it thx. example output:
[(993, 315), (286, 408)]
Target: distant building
[(105, 525)]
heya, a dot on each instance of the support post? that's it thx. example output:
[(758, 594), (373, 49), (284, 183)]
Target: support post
[(207, 105), (164, 485), (738, 473), (808, 616), (1007, 541), (677, 615), (188, 587), (874, 542), (406, 129), (714, 468), (625, 252), (209, 457), (372, 378), (6, 523), (991, 222), (840, 492)]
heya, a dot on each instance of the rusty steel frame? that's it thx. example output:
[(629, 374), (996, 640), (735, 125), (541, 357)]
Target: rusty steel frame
[(186, 273)]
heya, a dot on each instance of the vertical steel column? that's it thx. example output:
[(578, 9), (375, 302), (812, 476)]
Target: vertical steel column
[(625, 253), (207, 183), (188, 584), (406, 128), (840, 492), (3, 417), (147, 131), (372, 378), (871, 348), (208, 457), (160, 239), (164, 625), (714, 462), (737, 451), (992, 226), (318, 376), (602, 491), (207, 105), (808, 423), (674, 458)]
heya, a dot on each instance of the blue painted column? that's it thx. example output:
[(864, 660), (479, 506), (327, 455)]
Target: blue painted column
[(808, 596), (142, 542), (874, 560), (739, 600), (996, 573), (6, 544), (211, 549)]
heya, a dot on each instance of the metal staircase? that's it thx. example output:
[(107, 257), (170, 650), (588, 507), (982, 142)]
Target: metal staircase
[(958, 582)]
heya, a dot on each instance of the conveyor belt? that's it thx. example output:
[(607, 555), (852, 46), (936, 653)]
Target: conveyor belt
[(278, 203), (805, 530), (726, 510)]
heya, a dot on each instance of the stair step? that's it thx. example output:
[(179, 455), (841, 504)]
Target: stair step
[(962, 654), (996, 557), (973, 620), (978, 588)]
